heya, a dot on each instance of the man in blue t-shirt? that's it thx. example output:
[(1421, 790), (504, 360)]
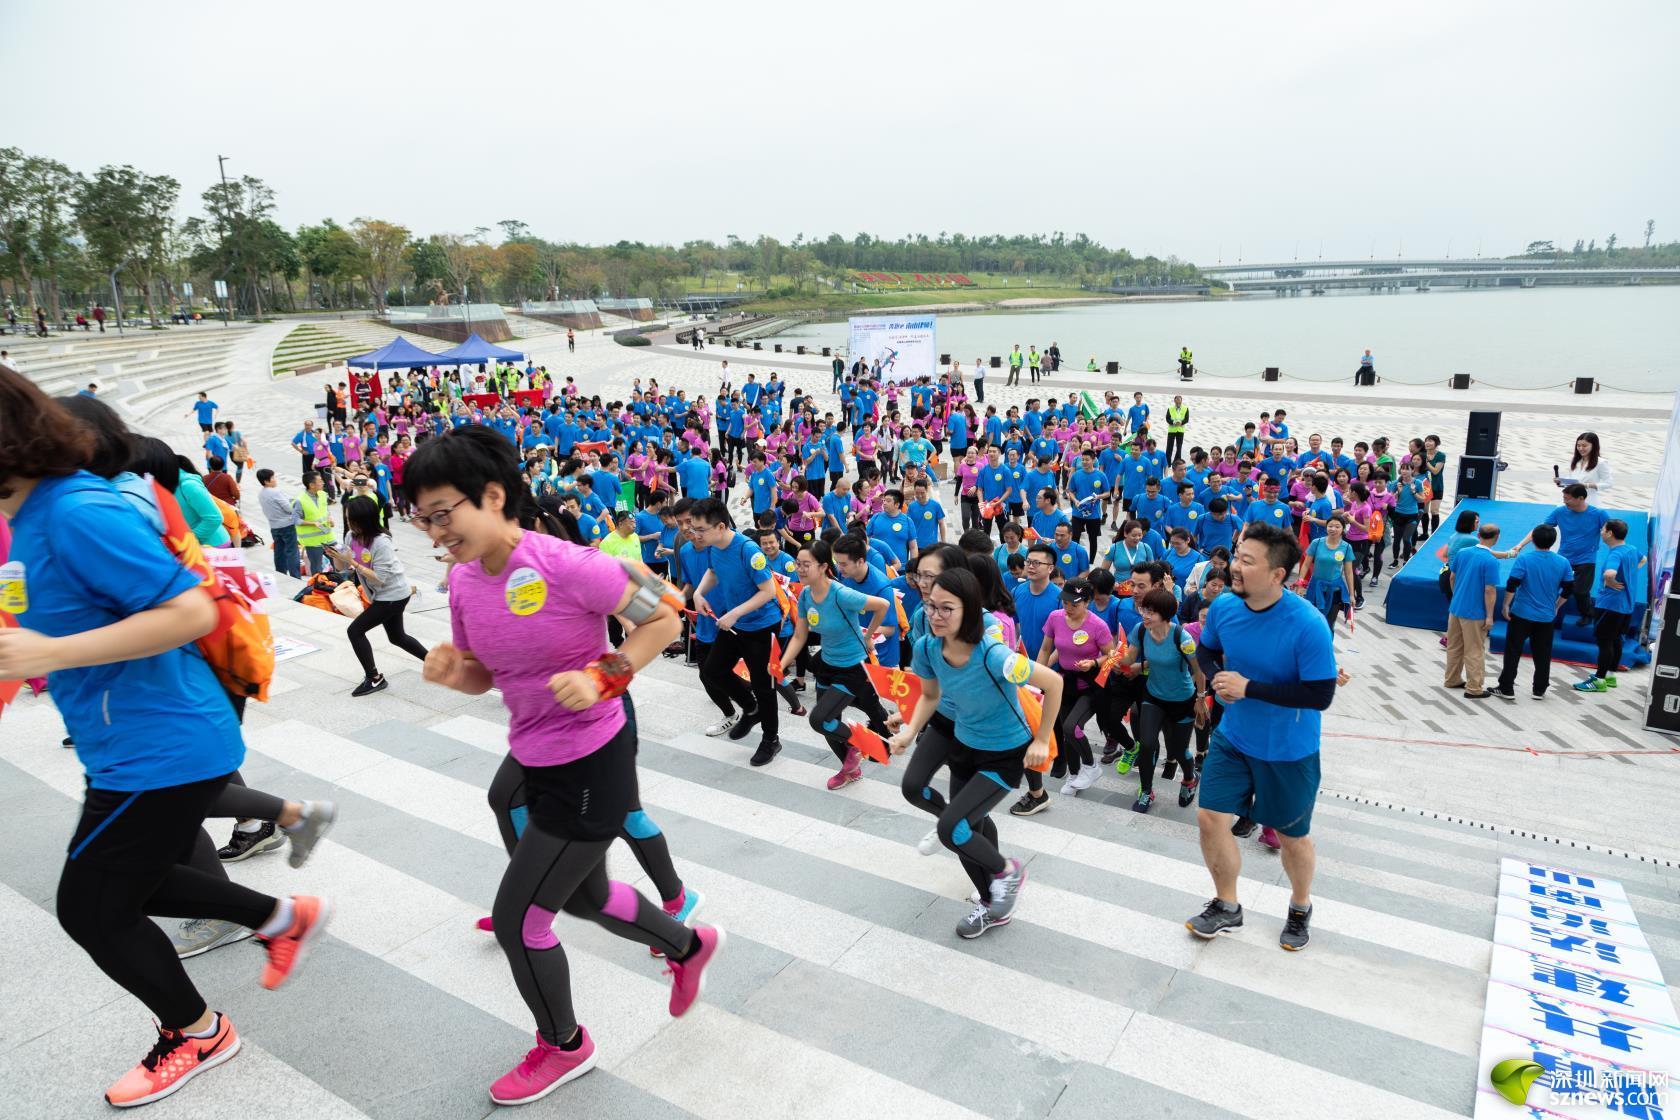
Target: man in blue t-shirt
[(927, 515), (1279, 673), (761, 483), (1614, 600), (1475, 589), (892, 530), (205, 409), (852, 562), (1539, 582), (740, 592), (1578, 525)]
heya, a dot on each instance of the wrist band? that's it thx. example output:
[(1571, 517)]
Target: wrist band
[(612, 674)]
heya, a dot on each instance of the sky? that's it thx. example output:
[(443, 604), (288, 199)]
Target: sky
[(1213, 131)]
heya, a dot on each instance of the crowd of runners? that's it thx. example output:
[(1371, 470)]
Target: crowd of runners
[(1009, 597)]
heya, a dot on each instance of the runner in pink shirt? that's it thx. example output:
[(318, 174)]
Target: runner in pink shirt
[(528, 613)]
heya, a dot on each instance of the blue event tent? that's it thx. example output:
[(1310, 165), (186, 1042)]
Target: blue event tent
[(399, 353), (477, 352)]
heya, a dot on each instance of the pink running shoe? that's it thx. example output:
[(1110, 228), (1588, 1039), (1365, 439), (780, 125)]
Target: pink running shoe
[(1269, 837), (287, 950), (850, 770), (485, 925), (688, 978), (544, 1070)]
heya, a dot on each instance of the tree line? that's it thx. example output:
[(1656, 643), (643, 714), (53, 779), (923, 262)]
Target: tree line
[(67, 238)]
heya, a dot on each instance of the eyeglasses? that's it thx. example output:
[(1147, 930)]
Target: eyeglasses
[(1038, 563), (942, 611), (439, 519)]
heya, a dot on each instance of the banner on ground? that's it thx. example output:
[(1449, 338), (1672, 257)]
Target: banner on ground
[(906, 348)]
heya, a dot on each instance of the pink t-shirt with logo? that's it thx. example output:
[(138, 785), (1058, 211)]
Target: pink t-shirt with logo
[(545, 613), (1077, 643)]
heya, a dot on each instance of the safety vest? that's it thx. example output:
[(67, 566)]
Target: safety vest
[(314, 509), (1184, 355), (1176, 416), (1015, 358)]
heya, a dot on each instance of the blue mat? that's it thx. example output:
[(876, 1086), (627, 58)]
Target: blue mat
[(1415, 599)]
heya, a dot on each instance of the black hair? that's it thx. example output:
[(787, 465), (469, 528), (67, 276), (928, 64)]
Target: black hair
[(949, 556), (1544, 536), (263, 475), (1617, 528), (1590, 460), (852, 546), (961, 583), (1466, 523), (821, 553), (1161, 601), (712, 511), (113, 443), (1041, 547), (1575, 490), (470, 458), (154, 457), (362, 520), (976, 542), (186, 464), (1282, 549)]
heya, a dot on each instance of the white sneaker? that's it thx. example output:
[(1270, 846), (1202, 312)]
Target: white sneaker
[(1086, 778), (722, 726), (929, 844), (1071, 786)]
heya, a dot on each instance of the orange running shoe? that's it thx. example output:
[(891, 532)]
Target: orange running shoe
[(174, 1061), (287, 950)]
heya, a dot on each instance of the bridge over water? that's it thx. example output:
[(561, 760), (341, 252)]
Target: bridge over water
[(1318, 277)]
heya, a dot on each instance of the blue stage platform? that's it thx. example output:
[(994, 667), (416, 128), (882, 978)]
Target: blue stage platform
[(1415, 599)]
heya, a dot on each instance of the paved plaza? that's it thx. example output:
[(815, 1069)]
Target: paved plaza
[(844, 991)]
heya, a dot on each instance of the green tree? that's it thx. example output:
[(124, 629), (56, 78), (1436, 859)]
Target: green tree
[(1610, 246), (238, 211), (126, 217), (36, 197), (383, 252)]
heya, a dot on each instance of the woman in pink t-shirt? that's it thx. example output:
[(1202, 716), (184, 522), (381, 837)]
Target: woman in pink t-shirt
[(1075, 642), (528, 614)]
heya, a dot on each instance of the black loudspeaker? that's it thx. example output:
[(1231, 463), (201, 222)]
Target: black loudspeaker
[(944, 359), (1483, 435), (997, 362), (778, 348), (828, 351), (1662, 709), (1271, 374), (1112, 367), (1365, 377), (1583, 385), (1460, 381), (1478, 477)]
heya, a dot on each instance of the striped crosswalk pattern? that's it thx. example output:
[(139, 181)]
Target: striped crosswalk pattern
[(845, 990)]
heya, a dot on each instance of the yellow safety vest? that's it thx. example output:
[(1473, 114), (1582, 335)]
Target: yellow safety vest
[(1184, 355), (315, 508), (1176, 418)]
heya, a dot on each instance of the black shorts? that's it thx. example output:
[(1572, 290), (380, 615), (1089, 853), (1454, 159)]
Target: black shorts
[(1006, 768), (587, 798), (207, 428), (125, 830)]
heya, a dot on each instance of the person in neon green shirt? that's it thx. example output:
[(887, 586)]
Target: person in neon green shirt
[(623, 541)]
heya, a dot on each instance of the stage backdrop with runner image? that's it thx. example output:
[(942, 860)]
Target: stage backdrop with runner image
[(906, 348)]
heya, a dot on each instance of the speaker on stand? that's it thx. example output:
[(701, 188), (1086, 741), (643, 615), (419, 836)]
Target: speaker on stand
[(1482, 438), (1662, 705)]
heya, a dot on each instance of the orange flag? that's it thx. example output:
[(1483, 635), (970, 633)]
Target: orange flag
[(895, 686), (9, 689), (868, 744)]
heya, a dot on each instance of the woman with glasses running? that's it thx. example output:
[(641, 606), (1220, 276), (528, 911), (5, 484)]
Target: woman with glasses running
[(528, 614), (830, 609), (991, 745)]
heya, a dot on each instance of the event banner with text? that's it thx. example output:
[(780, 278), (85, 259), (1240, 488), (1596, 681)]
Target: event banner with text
[(905, 348)]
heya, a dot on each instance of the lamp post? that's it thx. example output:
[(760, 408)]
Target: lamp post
[(116, 294)]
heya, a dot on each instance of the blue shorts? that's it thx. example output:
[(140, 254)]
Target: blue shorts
[(1279, 795)]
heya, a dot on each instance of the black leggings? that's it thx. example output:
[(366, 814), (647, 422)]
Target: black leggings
[(1610, 629), (389, 614), (837, 690), (727, 690), (550, 870), (1173, 718), (129, 860), (1405, 526), (964, 825), (647, 842), (1079, 704), (1092, 528)]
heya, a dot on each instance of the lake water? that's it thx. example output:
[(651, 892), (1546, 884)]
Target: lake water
[(1510, 338)]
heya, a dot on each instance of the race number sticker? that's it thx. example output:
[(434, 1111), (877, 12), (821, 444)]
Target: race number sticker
[(14, 592), (1017, 669), (526, 592)]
